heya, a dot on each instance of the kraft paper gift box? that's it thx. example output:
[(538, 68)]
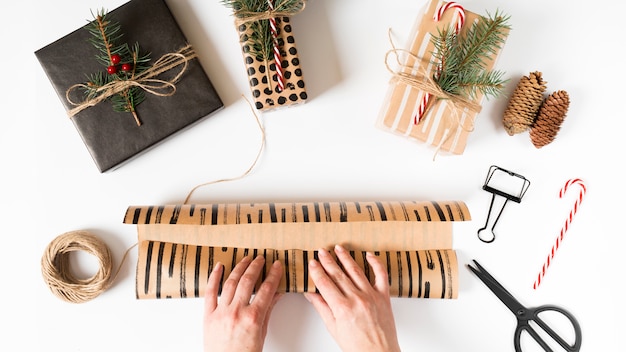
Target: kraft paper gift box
[(111, 137), (443, 126), (262, 74), (178, 245)]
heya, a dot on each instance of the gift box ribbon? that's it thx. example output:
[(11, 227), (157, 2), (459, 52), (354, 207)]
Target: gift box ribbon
[(245, 16), (422, 81), (146, 80)]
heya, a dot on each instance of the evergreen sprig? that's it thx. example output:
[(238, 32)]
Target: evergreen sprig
[(461, 58), (261, 44), (105, 37), (260, 36), (247, 8)]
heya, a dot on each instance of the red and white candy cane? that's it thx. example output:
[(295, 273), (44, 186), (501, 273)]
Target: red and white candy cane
[(460, 21), (559, 239), (276, 50), (459, 11)]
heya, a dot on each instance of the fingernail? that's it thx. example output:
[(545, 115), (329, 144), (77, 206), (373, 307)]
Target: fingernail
[(276, 264), (313, 263), (339, 248), (322, 252), (217, 266)]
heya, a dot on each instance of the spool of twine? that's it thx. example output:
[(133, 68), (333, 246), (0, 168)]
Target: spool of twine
[(57, 272)]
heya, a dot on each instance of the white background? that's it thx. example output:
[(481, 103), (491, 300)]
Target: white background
[(326, 149)]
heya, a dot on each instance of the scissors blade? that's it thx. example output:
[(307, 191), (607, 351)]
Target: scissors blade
[(503, 294)]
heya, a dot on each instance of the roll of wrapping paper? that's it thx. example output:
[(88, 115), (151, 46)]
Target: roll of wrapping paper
[(180, 244), (171, 270)]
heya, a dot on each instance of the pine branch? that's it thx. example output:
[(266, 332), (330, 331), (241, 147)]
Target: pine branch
[(462, 58), (483, 39), (487, 83), (122, 63), (260, 36), (292, 6), (95, 81), (245, 8), (261, 41), (104, 34)]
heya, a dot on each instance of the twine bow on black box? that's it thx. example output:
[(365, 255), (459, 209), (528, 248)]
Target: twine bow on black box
[(128, 74)]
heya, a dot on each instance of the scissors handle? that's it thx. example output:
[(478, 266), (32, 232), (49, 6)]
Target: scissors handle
[(532, 314)]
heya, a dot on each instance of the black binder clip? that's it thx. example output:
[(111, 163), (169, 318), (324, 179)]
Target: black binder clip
[(500, 190)]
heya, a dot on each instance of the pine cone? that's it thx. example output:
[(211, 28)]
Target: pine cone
[(549, 120), (524, 104)]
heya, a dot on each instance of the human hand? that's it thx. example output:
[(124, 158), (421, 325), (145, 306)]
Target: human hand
[(238, 322), (357, 313)]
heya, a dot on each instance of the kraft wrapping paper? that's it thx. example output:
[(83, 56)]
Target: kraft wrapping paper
[(262, 75), (180, 244), (442, 126)]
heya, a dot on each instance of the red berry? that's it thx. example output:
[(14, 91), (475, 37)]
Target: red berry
[(115, 59), (127, 67), (112, 69)]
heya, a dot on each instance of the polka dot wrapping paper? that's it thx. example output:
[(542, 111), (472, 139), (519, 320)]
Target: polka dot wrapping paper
[(262, 77), (444, 125)]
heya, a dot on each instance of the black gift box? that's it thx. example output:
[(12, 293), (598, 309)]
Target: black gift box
[(114, 137)]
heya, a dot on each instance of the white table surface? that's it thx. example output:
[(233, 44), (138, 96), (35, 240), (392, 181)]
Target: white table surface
[(326, 149)]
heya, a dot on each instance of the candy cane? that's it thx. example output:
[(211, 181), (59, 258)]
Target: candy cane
[(459, 11), (276, 50), (557, 243), (460, 21)]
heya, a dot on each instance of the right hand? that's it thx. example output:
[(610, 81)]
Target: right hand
[(357, 314)]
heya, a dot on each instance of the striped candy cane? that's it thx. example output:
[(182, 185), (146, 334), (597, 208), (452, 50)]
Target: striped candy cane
[(276, 50), (557, 243), (460, 21)]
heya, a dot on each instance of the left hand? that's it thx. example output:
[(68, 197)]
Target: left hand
[(238, 322)]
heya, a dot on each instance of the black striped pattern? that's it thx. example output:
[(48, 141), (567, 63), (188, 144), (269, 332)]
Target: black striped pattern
[(226, 214), (168, 270)]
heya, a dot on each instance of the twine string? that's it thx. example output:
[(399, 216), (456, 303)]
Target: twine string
[(146, 80), (422, 81), (57, 272), (250, 168), (245, 16)]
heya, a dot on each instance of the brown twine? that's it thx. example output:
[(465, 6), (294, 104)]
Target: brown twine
[(243, 17), (256, 159), (57, 273), (145, 80), (422, 81)]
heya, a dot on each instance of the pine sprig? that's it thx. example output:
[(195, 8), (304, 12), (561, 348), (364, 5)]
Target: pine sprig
[(105, 36), (247, 8), (262, 44), (260, 36), (462, 58)]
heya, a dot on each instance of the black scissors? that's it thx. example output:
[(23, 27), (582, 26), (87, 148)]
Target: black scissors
[(527, 315)]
